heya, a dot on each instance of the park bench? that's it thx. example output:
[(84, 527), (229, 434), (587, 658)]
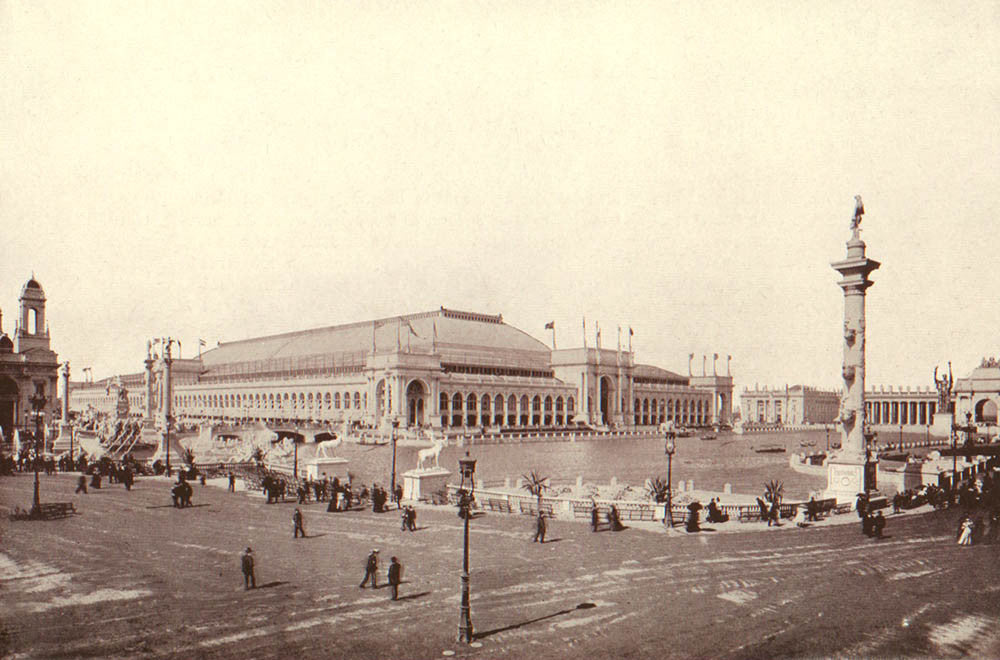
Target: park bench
[(680, 515), (57, 509), (582, 510), (843, 508), (531, 509), (825, 507), (636, 511), (749, 513)]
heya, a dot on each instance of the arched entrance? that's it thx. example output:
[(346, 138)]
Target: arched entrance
[(607, 398), (380, 401), (415, 395), (986, 411), (8, 403)]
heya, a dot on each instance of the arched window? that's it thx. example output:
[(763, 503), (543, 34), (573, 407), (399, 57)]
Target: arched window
[(328, 400), (536, 411), (570, 405), (336, 400), (357, 400), (456, 409), (470, 404), (309, 401), (484, 410), (512, 410), (498, 418)]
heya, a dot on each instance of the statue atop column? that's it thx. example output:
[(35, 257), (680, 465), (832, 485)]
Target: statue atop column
[(859, 210), (944, 385)]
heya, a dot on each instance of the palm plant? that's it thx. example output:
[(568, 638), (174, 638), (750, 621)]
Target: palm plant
[(534, 483), (773, 491), (188, 456), (657, 489)]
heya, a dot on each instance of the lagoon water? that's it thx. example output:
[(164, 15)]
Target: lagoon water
[(709, 463)]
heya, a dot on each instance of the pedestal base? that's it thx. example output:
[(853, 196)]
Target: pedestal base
[(65, 439), (331, 467), (845, 480), (422, 484), (941, 428)]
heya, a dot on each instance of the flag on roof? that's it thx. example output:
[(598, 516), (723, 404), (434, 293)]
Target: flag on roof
[(551, 325)]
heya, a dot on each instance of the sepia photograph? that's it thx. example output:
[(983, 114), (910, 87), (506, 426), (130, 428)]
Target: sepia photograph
[(552, 330)]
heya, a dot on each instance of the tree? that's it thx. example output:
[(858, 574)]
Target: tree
[(773, 491), (534, 483), (657, 489)]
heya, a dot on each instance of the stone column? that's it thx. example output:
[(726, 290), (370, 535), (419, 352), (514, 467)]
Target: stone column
[(149, 388), (65, 399), (846, 468)]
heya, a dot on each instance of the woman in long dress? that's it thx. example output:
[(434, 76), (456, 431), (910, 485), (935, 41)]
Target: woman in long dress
[(965, 534)]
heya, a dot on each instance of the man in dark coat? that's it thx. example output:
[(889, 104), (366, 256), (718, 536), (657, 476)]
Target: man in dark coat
[(595, 517), (395, 573), (249, 578), (371, 566), (540, 528), (232, 482), (878, 524), (81, 484), (297, 520)]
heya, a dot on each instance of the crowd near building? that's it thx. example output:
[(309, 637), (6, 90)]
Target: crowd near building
[(444, 369)]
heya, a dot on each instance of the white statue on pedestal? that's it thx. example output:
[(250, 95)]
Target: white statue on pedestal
[(431, 452), (326, 448)]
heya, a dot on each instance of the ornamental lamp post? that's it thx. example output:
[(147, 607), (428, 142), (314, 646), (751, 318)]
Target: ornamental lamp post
[(467, 468), (669, 448), (295, 447), (395, 427), (38, 404)]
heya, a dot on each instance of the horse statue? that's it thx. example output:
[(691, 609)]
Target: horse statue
[(431, 452), (326, 446)]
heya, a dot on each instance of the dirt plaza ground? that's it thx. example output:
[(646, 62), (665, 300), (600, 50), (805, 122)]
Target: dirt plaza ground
[(131, 576)]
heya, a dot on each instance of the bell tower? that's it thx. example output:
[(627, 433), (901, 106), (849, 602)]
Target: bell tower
[(32, 332)]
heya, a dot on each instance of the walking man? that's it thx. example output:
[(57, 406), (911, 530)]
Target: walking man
[(540, 528), (878, 524), (371, 566), (81, 484), (395, 572), (297, 519), (232, 482), (249, 579), (595, 517)]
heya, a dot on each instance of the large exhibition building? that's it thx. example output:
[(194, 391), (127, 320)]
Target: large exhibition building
[(443, 369)]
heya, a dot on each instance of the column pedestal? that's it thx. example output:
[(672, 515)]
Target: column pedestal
[(941, 427), (846, 478), (63, 441)]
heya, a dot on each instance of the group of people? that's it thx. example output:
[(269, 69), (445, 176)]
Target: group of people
[(181, 492), (614, 519), (408, 522), (393, 576)]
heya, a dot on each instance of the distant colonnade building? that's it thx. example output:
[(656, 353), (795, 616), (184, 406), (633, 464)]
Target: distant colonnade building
[(444, 369)]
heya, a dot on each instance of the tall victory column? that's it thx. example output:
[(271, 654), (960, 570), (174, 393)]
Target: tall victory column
[(846, 467)]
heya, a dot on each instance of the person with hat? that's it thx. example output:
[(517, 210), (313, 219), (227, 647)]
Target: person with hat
[(249, 579), (371, 566)]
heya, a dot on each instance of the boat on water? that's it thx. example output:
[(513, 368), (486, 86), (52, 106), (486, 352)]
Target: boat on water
[(770, 449)]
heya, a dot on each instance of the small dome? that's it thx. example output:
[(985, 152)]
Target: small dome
[(33, 287), (6, 345)]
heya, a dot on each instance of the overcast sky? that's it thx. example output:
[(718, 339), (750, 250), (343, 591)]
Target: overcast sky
[(228, 170)]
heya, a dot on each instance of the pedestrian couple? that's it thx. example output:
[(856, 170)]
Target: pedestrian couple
[(408, 520), (371, 572)]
